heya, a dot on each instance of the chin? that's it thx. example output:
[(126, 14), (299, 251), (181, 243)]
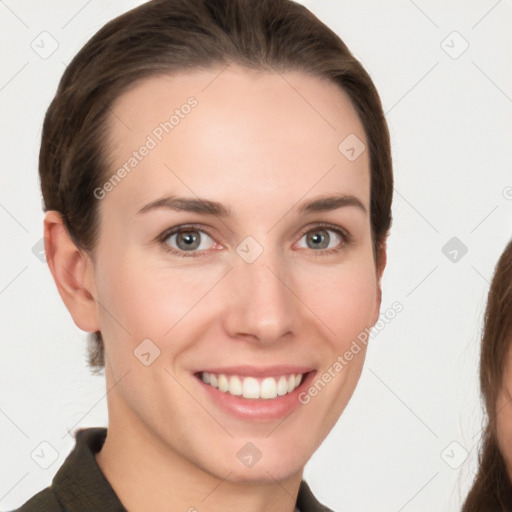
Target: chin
[(265, 470)]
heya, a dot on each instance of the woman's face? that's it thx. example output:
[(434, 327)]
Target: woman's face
[(257, 285)]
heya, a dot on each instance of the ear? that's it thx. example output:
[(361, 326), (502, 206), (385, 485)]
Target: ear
[(72, 272), (381, 265)]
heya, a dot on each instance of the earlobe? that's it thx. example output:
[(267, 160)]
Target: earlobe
[(71, 271)]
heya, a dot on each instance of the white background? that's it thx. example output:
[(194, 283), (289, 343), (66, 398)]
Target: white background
[(451, 127)]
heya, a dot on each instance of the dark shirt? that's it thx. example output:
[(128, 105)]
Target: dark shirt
[(80, 486)]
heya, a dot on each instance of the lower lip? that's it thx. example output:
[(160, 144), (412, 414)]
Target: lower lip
[(257, 409)]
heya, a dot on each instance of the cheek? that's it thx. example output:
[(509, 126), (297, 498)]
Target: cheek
[(504, 426), (129, 302), (139, 301), (345, 300)]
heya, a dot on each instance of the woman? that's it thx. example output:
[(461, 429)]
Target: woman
[(217, 184), (491, 490)]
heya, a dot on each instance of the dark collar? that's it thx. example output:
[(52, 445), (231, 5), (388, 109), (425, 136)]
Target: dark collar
[(80, 484)]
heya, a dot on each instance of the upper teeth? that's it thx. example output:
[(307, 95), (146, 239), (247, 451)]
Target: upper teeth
[(251, 387)]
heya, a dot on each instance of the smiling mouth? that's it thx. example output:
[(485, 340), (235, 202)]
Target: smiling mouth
[(253, 387)]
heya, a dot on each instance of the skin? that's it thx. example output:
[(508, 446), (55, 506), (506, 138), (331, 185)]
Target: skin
[(255, 145), (504, 415)]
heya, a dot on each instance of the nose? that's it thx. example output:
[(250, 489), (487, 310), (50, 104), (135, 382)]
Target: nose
[(262, 306)]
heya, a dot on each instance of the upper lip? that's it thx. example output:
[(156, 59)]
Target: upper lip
[(258, 371)]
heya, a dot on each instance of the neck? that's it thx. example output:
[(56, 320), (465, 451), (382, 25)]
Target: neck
[(147, 474)]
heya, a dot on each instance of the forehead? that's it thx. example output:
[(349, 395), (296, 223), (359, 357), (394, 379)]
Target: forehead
[(208, 132)]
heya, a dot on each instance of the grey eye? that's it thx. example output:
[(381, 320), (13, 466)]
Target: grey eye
[(321, 239), (189, 240)]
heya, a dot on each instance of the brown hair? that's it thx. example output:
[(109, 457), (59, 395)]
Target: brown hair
[(166, 36), (492, 490)]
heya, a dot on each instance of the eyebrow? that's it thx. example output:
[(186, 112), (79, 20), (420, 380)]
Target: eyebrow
[(207, 207)]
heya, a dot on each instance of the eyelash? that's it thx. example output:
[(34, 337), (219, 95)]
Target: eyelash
[(344, 235)]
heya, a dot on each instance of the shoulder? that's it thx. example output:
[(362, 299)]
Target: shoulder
[(79, 483), (43, 501), (306, 501)]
